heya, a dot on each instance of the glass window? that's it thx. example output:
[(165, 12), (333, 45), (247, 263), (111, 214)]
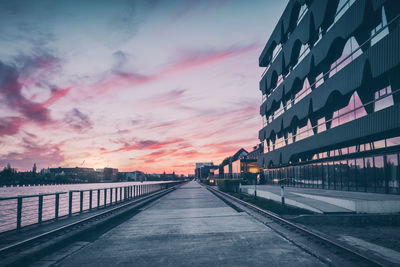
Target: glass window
[(276, 51), (342, 8), (344, 170), (297, 175), (360, 178), (380, 174), (289, 137), (338, 177), (392, 165), (279, 111), (305, 90), (352, 149), (331, 175), (321, 125), (346, 57), (369, 174), (325, 175), (395, 141), (381, 30), (302, 12), (358, 105), (383, 98), (319, 80), (379, 144), (288, 104), (352, 174)]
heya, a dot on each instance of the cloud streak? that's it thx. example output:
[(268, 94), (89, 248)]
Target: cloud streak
[(118, 80), (78, 120)]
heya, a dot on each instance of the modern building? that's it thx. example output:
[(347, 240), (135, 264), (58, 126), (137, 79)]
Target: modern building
[(137, 176), (200, 164), (77, 171), (331, 96), (203, 170), (110, 174), (231, 165)]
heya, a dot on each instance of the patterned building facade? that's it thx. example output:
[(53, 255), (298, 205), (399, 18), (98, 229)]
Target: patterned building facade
[(331, 96)]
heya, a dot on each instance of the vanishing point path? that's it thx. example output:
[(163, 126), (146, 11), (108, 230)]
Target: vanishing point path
[(188, 227)]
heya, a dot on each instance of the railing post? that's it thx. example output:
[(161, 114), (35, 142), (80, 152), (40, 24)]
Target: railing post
[(116, 194), (40, 209), (131, 194), (105, 197), (57, 206), (120, 194), (70, 203), (111, 194), (98, 198), (19, 212), (81, 202), (133, 191), (90, 199)]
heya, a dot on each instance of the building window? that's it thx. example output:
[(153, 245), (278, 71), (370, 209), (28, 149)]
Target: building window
[(383, 98), (302, 12), (304, 132), (319, 80), (321, 125), (392, 164), (319, 36), (342, 7), (352, 111), (288, 104), (395, 141), (351, 51), (279, 111), (276, 51), (304, 50), (381, 30), (305, 90)]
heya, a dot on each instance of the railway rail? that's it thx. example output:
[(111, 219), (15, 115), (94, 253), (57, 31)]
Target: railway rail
[(337, 248)]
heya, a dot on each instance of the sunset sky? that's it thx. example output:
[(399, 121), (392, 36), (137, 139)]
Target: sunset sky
[(135, 85)]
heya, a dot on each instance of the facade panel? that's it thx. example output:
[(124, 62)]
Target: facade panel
[(331, 96)]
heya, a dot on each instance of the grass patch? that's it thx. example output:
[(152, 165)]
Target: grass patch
[(271, 205)]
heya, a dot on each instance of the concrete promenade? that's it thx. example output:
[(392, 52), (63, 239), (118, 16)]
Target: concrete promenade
[(188, 227)]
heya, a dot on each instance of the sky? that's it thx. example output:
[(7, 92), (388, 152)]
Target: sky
[(135, 85)]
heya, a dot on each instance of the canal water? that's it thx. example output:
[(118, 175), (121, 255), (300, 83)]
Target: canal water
[(30, 205)]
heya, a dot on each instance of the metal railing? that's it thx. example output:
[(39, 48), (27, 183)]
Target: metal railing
[(20, 211)]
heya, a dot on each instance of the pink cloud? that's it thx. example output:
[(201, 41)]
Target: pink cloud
[(146, 145), (10, 125), (13, 98), (116, 80)]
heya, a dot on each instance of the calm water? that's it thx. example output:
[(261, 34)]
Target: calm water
[(8, 208)]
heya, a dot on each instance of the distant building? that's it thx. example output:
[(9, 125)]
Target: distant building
[(135, 176), (71, 171), (110, 174), (231, 167), (203, 170), (200, 164)]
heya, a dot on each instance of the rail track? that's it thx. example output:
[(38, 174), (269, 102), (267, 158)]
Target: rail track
[(348, 253), (30, 249)]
